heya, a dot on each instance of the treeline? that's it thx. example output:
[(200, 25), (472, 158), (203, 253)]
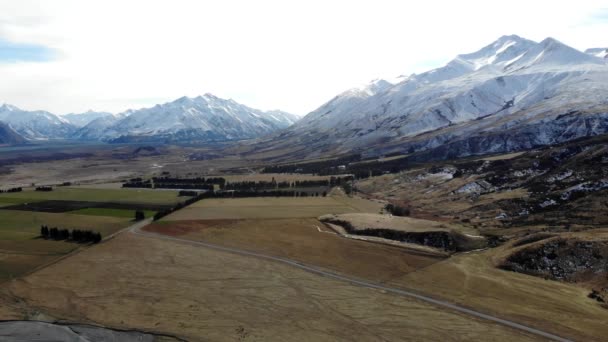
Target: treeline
[(199, 183), (44, 188), (11, 190), (137, 183), (76, 235)]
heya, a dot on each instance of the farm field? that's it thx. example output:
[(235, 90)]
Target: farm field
[(303, 239), (23, 213), (136, 282), (122, 213), (268, 207), (22, 250), (94, 195)]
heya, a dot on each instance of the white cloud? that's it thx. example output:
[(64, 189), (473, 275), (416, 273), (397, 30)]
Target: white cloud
[(114, 55)]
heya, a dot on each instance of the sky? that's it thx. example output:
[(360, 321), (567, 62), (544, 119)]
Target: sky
[(72, 55)]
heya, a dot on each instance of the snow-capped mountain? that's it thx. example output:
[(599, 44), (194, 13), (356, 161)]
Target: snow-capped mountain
[(9, 137), (83, 119), (99, 127), (513, 85), (203, 118), (598, 52), (36, 125)]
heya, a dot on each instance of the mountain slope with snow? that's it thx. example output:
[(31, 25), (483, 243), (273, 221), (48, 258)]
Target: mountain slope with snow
[(9, 137), (598, 52), (513, 83), (203, 118), (36, 125), (83, 119)]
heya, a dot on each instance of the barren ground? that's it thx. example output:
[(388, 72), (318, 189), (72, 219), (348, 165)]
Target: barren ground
[(200, 294)]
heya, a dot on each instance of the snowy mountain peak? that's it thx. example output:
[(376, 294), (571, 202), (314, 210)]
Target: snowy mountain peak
[(502, 52), (40, 125), (509, 84), (202, 118), (8, 108)]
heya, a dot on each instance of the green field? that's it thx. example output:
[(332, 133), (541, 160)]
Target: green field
[(94, 195), (21, 248), (6, 201), (122, 213)]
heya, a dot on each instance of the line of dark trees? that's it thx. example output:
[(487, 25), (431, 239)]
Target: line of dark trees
[(199, 183), (44, 188), (11, 190), (138, 183), (76, 235)]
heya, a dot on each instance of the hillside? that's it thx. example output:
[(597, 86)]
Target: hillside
[(513, 94)]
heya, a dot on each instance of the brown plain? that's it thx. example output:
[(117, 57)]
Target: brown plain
[(135, 282)]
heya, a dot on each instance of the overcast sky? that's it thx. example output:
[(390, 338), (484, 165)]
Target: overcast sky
[(71, 56)]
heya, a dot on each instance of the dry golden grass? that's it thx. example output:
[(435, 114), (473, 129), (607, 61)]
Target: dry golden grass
[(407, 224), (136, 282), (267, 207), (306, 240), (473, 280)]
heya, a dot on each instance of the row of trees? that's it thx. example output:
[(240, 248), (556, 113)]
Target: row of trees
[(76, 235), (44, 188), (11, 190)]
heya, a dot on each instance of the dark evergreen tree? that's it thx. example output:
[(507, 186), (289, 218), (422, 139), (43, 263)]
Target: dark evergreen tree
[(139, 215)]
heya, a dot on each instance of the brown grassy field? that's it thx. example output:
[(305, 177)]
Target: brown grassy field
[(473, 280), (199, 294), (21, 249), (306, 240), (270, 207)]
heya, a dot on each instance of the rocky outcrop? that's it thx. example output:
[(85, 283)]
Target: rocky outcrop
[(563, 259)]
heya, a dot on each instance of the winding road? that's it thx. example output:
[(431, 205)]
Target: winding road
[(136, 229)]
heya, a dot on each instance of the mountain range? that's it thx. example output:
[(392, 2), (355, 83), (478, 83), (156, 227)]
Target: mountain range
[(512, 94), (200, 119)]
